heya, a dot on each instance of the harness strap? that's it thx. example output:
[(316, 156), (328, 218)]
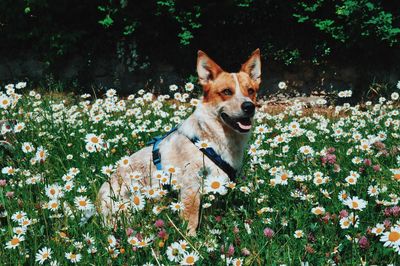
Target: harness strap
[(215, 158), (156, 150), (209, 152)]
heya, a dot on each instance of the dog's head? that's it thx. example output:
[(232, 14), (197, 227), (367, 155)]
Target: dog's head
[(232, 96)]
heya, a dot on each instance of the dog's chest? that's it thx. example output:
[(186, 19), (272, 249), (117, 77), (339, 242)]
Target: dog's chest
[(180, 152)]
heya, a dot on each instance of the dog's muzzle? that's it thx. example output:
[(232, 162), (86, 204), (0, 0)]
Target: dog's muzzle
[(241, 124)]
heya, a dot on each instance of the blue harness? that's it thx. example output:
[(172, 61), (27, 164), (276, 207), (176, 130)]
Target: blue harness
[(209, 152)]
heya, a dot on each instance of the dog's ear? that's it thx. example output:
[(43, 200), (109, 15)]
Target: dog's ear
[(207, 69), (253, 66)]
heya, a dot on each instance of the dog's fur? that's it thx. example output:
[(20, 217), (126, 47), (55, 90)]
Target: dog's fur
[(227, 136)]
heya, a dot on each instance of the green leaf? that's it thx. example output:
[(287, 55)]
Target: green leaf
[(107, 21), (129, 29), (300, 18)]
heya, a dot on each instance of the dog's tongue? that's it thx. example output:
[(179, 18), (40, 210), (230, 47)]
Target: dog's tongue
[(243, 126)]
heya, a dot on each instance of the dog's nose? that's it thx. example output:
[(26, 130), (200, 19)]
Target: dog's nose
[(248, 108)]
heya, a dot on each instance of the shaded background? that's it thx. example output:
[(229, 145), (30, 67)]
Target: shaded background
[(129, 45)]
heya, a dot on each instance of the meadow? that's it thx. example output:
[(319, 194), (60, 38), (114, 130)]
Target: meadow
[(317, 188)]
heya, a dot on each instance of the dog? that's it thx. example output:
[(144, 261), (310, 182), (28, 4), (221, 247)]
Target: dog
[(223, 118)]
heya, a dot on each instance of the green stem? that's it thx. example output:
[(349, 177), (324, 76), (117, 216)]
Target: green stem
[(8, 215)]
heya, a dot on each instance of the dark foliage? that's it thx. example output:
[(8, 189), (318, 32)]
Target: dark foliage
[(136, 37)]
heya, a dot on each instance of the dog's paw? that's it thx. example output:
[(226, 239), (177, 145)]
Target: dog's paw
[(191, 232)]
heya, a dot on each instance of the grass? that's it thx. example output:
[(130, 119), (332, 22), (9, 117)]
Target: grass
[(291, 205)]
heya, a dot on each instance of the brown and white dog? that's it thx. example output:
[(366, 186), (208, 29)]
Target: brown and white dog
[(223, 118)]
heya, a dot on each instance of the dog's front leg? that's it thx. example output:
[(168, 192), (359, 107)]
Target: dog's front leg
[(191, 200)]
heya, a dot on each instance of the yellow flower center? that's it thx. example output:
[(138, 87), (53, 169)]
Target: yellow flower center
[(215, 185), (82, 203), (94, 140), (394, 236), (190, 259), (318, 211), (354, 204), (136, 200), (15, 241)]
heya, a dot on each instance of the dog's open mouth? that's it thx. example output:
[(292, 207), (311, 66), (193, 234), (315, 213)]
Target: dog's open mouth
[(242, 124)]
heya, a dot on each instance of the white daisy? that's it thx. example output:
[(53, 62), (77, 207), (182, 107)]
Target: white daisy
[(83, 203), (54, 191), (74, 258), (53, 205), (318, 210), (378, 229), (124, 162), (15, 241), (18, 216), (137, 201), (27, 147), (189, 258), (392, 237), (41, 154), (345, 222), (112, 241), (298, 234), (5, 101), (43, 255), (177, 206), (355, 203), (215, 184), (373, 191)]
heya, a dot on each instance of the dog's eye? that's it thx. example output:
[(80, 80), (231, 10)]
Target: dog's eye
[(227, 92), (250, 91)]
